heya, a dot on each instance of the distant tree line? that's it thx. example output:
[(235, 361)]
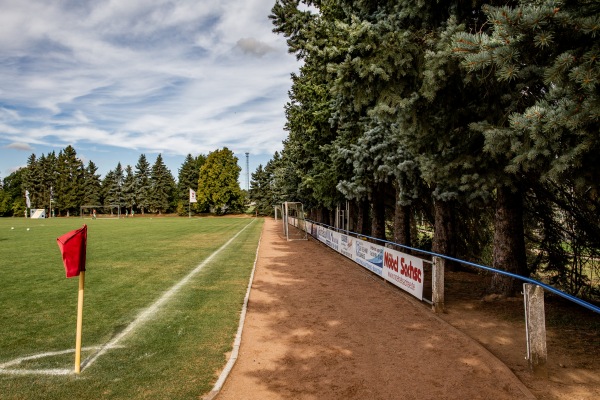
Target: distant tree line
[(476, 120), (62, 184)]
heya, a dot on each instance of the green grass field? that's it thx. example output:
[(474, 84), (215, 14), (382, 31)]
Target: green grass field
[(131, 263)]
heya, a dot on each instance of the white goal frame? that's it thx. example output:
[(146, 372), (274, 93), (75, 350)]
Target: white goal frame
[(103, 208), (294, 221)]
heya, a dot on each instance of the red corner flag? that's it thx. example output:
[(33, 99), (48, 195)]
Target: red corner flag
[(72, 246)]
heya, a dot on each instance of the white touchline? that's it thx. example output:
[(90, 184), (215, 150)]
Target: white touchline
[(139, 320), (55, 371), (150, 311)]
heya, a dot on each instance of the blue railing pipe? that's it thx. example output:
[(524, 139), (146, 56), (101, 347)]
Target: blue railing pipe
[(549, 288)]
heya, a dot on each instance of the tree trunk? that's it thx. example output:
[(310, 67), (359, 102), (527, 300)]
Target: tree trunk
[(352, 213), (319, 215), (509, 241), (331, 217), (378, 212), (444, 236), (402, 225), (363, 225), (402, 222)]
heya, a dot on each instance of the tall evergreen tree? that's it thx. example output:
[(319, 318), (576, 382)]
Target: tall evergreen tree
[(129, 188), (48, 166), (260, 191), (187, 178), (92, 186), (32, 180), (110, 190), (306, 168), (119, 178), (69, 181), (540, 59), (143, 184), (112, 187), (163, 186)]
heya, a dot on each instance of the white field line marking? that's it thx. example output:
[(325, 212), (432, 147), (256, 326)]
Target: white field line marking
[(18, 361), (150, 311), (238, 337), (139, 320)]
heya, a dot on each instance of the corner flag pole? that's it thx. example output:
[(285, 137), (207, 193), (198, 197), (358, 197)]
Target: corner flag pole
[(79, 323), (192, 199), (72, 246)]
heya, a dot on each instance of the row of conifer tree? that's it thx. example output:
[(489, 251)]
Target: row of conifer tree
[(61, 184), (476, 120)]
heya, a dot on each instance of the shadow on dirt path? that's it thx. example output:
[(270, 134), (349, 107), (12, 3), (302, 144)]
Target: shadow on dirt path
[(320, 327)]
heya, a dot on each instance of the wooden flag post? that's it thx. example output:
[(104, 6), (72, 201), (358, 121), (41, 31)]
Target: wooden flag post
[(79, 323), (192, 199), (73, 245)]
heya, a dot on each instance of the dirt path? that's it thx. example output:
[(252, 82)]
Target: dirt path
[(320, 327)]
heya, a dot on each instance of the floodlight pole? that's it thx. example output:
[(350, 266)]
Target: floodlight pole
[(79, 323)]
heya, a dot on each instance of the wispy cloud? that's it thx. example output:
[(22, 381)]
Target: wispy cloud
[(177, 76)]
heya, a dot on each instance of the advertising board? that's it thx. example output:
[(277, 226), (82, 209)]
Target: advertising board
[(404, 271), (369, 255)]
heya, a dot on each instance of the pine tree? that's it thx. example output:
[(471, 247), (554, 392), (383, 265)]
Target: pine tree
[(187, 178), (278, 190), (163, 186), (32, 180), (92, 186), (143, 185), (306, 170), (260, 191), (69, 182), (48, 166), (540, 59), (129, 189), (119, 178), (110, 190)]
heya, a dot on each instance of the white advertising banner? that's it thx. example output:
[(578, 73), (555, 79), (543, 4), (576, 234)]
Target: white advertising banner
[(347, 246), (404, 271), (309, 227), (333, 240), (322, 233), (369, 255), (329, 237), (400, 269)]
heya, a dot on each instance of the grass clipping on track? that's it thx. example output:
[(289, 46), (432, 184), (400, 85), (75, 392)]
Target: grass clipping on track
[(130, 264)]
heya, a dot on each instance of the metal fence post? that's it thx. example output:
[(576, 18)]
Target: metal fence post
[(437, 285), (535, 329)]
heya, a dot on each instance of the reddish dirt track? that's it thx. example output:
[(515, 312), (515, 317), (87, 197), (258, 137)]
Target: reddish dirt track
[(321, 327)]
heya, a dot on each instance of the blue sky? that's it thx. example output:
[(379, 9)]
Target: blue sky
[(116, 79)]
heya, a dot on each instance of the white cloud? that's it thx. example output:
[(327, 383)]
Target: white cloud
[(176, 76)]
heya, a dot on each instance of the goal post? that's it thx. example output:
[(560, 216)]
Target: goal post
[(277, 209), (102, 211), (294, 221)]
